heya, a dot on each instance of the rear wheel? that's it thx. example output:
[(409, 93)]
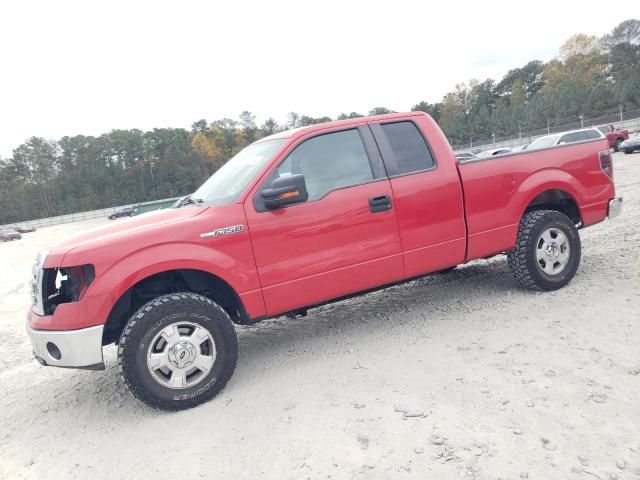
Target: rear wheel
[(178, 351), (547, 252), (628, 151)]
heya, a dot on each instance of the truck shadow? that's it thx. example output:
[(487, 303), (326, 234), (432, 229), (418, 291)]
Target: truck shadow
[(413, 305)]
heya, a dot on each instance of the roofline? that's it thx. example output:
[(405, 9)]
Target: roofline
[(318, 127)]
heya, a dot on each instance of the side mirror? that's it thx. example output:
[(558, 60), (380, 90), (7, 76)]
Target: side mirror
[(285, 191)]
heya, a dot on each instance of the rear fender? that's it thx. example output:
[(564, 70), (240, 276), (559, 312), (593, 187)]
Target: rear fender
[(541, 181)]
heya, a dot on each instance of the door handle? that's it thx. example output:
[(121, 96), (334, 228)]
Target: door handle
[(381, 203)]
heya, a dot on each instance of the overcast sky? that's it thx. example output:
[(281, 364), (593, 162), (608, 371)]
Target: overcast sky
[(87, 67)]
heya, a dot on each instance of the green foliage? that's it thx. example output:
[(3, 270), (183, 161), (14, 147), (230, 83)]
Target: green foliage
[(44, 178), (379, 111), (345, 116)]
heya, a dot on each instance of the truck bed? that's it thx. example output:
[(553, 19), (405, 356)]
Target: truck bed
[(498, 190)]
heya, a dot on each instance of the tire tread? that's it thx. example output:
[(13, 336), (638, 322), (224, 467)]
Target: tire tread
[(517, 258), (126, 360)]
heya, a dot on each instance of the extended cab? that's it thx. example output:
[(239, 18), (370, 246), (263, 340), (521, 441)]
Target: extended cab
[(615, 136), (296, 220)]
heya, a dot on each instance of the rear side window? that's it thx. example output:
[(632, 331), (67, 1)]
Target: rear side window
[(409, 147)]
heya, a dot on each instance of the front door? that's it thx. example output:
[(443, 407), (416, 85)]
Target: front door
[(342, 240)]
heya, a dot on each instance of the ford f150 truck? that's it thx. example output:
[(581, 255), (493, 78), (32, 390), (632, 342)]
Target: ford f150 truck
[(299, 219)]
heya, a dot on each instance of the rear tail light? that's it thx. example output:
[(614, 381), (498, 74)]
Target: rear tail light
[(606, 163)]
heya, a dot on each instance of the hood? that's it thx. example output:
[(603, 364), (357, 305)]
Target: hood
[(119, 229)]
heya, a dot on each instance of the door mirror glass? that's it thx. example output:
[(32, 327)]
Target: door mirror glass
[(285, 191)]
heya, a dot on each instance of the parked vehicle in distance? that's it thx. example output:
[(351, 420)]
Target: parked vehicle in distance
[(630, 145), (24, 229), (564, 138), (121, 212), (519, 148), (9, 234), (615, 136), (296, 220), (464, 156), (494, 151)]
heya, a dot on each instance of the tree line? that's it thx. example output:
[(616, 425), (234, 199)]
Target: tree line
[(44, 178)]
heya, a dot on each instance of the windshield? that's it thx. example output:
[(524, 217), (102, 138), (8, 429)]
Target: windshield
[(543, 142), (226, 185)]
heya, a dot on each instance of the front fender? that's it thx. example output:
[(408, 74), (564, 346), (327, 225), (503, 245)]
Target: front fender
[(112, 283)]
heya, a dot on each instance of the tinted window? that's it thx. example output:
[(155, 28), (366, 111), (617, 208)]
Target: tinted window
[(328, 162), (409, 147)]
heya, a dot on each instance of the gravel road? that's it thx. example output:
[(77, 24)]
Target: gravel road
[(456, 375)]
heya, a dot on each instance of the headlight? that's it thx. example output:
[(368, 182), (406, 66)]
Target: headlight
[(36, 283)]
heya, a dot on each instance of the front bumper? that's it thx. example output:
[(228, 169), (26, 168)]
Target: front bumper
[(68, 348), (615, 207)]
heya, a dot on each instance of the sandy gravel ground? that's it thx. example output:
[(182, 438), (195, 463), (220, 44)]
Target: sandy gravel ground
[(456, 375)]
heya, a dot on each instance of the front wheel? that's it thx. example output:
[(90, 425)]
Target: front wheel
[(628, 151), (547, 252), (178, 351)]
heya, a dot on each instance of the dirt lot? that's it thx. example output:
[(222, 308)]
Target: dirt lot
[(456, 375)]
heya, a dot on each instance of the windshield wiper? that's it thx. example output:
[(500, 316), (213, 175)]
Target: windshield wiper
[(186, 200)]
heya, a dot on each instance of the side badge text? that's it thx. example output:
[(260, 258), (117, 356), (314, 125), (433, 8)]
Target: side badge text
[(223, 231)]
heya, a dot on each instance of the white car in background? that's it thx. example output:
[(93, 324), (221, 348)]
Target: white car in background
[(494, 151), (564, 138)]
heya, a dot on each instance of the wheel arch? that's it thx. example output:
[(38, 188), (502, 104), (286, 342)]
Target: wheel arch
[(158, 283), (551, 189), (556, 199)]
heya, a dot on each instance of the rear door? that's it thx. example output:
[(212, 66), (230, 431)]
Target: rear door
[(427, 192), (343, 239)]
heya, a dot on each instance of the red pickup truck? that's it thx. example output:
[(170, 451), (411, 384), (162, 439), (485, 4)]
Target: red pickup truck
[(615, 136), (299, 219)]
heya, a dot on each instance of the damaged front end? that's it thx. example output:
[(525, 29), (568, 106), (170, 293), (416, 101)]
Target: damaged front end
[(51, 287)]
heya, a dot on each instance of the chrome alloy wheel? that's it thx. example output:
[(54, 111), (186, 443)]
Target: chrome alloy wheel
[(181, 355), (553, 251)]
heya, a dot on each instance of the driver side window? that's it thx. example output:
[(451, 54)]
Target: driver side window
[(328, 162)]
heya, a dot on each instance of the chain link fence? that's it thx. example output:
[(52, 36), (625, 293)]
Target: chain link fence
[(77, 217), (630, 120)]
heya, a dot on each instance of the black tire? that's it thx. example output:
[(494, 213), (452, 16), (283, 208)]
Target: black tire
[(628, 151), (616, 145), (522, 259), (152, 318)]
